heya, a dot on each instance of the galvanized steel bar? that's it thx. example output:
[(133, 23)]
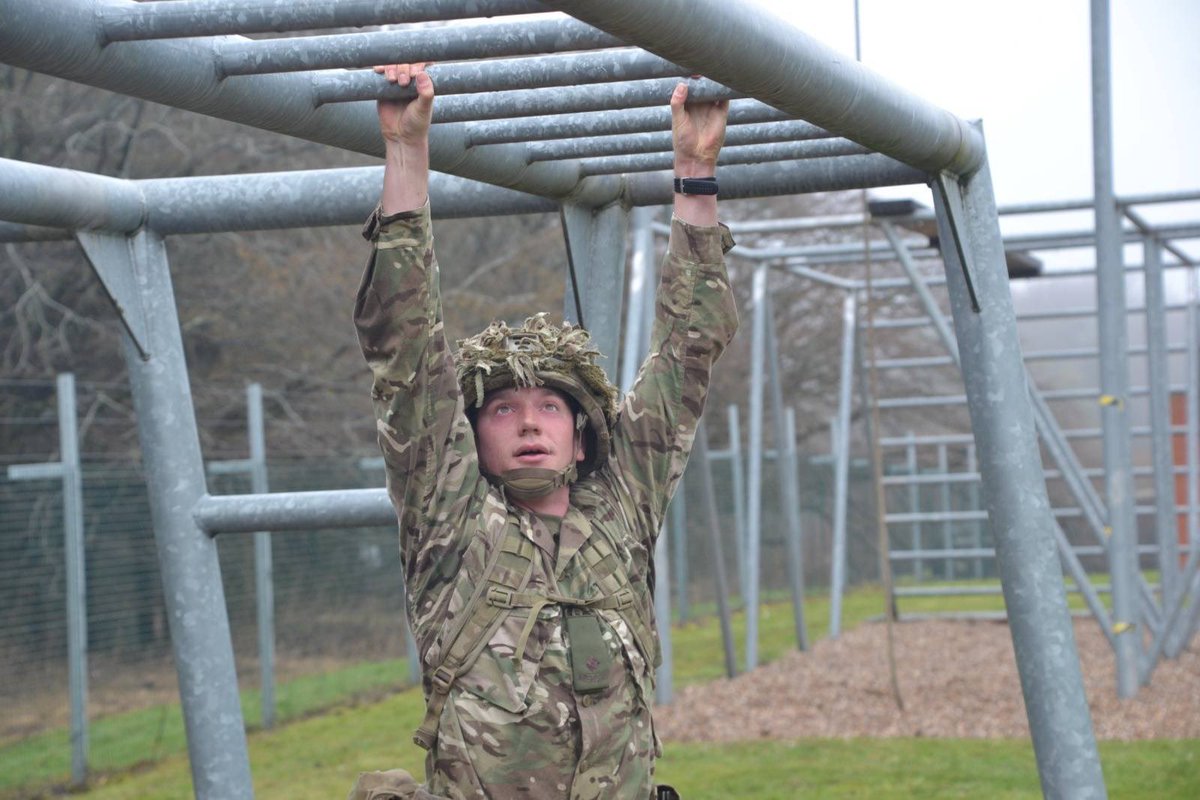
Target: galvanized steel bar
[(571, 99), (800, 177), (264, 582), (943, 467), (301, 53), (595, 241), (914, 501), (841, 469), (191, 572), (789, 479), (294, 511), (164, 20), (660, 141), (1114, 376), (758, 347), (1017, 504), (62, 39), (1159, 378), (1192, 327), (762, 56), (973, 502), (75, 564), (641, 283), (501, 74), (708, 488), (747, 154), (604, 123), (739, 499)]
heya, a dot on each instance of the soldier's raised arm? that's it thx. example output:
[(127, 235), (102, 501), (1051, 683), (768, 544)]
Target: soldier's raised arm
[(697, 133), (404, 125)]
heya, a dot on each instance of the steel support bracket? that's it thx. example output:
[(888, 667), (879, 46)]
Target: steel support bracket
[(111, 257), (595, 242), (947, 186)]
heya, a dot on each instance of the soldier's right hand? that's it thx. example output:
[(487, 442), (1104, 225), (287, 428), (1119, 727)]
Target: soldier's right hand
[(406, 122)]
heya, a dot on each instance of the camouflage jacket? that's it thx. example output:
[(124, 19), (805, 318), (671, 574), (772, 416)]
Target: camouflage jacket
[(512, 730)]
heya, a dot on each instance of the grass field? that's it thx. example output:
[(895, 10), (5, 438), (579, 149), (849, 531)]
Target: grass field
[(337, 725)]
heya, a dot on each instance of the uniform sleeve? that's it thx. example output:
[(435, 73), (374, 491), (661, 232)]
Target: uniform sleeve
[(695, 319), (427, 442)]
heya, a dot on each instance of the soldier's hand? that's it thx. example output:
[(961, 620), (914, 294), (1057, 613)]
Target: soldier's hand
[(406, 122), (697, 132)]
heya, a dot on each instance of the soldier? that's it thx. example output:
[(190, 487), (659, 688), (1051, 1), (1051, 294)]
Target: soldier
[(529, 498)]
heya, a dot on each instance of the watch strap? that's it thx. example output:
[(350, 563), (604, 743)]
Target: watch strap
[(700, 186)]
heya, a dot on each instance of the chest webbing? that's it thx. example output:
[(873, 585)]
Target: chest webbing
[(502, 588)]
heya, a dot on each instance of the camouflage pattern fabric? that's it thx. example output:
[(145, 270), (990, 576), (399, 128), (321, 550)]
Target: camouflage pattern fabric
[(513, 729)]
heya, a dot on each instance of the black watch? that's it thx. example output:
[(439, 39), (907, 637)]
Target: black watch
[(704, 186)]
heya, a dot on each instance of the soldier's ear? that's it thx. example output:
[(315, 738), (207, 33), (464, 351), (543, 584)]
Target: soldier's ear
[(580, 446)]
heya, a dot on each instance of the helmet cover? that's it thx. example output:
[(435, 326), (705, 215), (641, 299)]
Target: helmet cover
[(540, 353)]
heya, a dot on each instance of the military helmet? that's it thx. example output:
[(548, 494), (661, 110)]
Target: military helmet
[(540, 353)]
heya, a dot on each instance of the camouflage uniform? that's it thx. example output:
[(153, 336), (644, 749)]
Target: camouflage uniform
[(512, 731)]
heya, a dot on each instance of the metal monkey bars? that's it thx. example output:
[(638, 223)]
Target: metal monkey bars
[(500, 154)]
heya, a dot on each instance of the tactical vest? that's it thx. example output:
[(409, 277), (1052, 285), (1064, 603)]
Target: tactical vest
[(501, 589)]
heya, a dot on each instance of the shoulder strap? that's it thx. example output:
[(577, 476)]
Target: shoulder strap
[(510, 567)]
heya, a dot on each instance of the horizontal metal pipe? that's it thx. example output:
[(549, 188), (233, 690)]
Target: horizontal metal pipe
[(742, 111), (294, 511), (294, 54), (495, 75), (572, 99), (660, 141), (16, 232), (62, 39), (800, 177), (1042, 207), (165, 20), (65, 198), (762, 56), (71, 200), (748, 154), (1084, 393), (311, 198)]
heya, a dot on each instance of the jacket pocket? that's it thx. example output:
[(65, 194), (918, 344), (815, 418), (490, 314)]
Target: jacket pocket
[(497, 676)]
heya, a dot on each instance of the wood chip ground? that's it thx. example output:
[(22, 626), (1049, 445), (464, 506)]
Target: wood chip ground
[(957, 679)]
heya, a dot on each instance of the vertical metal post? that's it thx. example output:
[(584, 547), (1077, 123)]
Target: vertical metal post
[(700, 456), (264, 580), (1114, 377), (679, 552), (596, 252), (191, 572), (943, 467), (1015, 491), (1190, 624), (758, 346), (73, 550), (641, 284), (789, 481), (914, 502), (1160, 420), (841, 445), (973, 505), (739, 497)]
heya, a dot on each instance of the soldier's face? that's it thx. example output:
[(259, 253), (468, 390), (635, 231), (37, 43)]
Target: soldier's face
[(519, 428)]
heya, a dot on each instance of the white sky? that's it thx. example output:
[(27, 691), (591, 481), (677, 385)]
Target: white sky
[(1023, 67)]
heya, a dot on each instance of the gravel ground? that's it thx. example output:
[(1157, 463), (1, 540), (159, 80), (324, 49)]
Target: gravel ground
[(957, 679)]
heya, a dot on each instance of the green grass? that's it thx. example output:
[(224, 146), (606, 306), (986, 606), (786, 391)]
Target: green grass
[(317, 755)]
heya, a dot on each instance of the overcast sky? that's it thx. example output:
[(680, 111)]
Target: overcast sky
[(1023, 67)]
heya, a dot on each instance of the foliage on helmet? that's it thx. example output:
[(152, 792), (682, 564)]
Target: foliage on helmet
[(499, 357)]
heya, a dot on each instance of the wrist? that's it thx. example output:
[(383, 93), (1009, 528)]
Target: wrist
[(695, 168)]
